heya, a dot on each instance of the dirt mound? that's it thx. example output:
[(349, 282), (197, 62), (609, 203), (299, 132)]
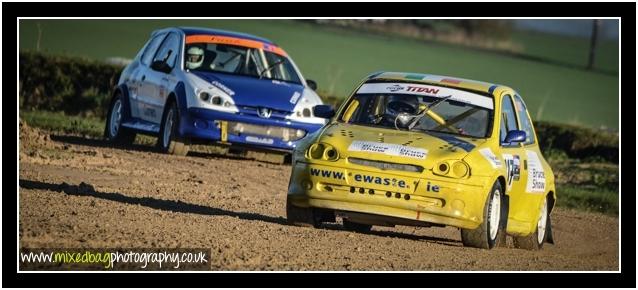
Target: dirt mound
[(34, 143), (32, 137)]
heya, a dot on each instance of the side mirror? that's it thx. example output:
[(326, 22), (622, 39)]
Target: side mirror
[(312, 84), (515, 136), (323, 111), (161, 66)]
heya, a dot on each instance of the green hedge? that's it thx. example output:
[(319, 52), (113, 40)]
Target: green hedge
[(82, 87), (61, 83), (578, 142)]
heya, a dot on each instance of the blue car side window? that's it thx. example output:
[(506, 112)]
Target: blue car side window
[(149, 52), (168, 50)]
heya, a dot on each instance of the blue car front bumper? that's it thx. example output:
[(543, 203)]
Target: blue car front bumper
[(206, 124)]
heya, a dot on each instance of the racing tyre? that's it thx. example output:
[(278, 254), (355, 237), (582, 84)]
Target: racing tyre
[(356, 227), (300, 216), (168, 140), (113, 131), (492, 231), (536, 240)]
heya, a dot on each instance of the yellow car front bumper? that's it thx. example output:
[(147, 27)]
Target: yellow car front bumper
[(424, 197)]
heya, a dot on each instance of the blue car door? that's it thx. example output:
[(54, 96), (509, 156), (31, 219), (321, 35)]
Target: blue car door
[(157, 82), (138, 89)]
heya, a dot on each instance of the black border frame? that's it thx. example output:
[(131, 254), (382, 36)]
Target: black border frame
[(624, 10)]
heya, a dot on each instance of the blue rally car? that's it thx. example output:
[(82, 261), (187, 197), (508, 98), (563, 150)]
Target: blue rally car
[(192, 84)]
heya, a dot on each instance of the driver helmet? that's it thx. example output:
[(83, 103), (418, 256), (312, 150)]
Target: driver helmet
[(194, 57), (401, 104)]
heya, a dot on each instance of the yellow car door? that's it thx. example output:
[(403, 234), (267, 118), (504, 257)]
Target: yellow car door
[(535, 184), (514, 158)]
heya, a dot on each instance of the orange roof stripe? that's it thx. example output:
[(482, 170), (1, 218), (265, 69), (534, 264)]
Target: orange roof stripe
[(235, 41)]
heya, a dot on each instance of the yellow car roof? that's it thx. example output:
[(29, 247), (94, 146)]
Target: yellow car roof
[(439, 80)]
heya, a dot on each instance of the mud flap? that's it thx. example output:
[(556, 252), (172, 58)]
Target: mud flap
[(550, 235), (501, 241)]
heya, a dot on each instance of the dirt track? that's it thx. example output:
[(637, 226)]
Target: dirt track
[(137, 198)]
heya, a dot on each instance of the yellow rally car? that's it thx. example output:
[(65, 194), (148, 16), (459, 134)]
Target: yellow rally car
[(426, 150)]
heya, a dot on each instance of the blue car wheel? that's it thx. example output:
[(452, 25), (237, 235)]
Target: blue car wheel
[(168, 140)]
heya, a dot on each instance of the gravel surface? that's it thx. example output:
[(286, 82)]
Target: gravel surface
[(80, 193)]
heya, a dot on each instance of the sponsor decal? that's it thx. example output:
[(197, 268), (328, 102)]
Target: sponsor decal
[(365, 178), (295, 98), (276, 82), (394, 182), (259, 140), (428, 90), (223, 88), (388, 149), (207, 38), (264, 113), (422, 89), (491, 158), (327, 173), (162, 92), (433, 188), (150, 112), (536, 175), (513, 168), (395, 88)]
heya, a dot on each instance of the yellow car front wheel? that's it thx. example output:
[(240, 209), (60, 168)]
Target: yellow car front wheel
[(300, 216), (357, 227)]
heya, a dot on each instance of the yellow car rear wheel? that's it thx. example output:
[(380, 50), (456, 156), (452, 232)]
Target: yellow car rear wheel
[(492, 231), (536, 240)]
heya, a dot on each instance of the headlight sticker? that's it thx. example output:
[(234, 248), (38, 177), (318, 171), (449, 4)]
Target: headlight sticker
[(223, 88), (388, 149), (536, 174), (491, 158), (295, 98)]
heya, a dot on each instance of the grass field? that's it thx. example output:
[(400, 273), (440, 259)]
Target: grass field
[(59, 122), (338, 59), (568, 49)]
